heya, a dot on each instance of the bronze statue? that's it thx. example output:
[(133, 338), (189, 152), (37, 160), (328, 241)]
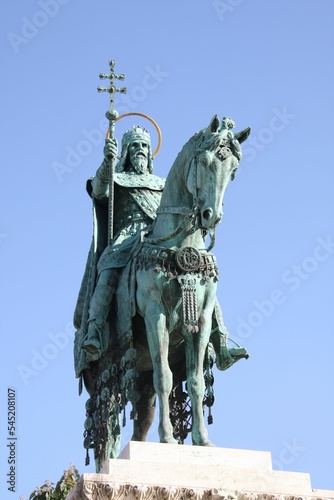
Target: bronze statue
[(147, 317)]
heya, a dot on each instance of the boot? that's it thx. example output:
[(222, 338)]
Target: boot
[(92, 344), (98, 313), (228, 356)]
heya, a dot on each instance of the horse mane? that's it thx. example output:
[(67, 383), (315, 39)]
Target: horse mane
[(199, 142), (202, 141)]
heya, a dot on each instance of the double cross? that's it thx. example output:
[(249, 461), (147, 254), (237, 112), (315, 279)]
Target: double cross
[(112, 113), (112, 116)]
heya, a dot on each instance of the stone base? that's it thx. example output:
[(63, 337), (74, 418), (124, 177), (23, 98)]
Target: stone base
[(163, 471)]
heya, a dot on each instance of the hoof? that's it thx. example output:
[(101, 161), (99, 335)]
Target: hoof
[(204, 442), (169, 441)]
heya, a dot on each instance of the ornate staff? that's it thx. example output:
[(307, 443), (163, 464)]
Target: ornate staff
[(112, 116)]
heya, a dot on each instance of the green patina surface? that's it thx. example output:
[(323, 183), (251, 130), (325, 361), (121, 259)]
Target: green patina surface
[(147, 317)]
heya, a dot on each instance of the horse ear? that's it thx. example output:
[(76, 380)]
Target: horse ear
[(243, 134), (214, 124)]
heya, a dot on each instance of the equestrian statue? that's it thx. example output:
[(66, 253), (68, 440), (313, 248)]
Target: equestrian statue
[(148, 323)]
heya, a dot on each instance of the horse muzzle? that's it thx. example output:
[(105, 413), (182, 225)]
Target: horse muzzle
[(208, 219)]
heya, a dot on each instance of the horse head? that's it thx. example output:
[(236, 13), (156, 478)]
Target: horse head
[(212, 163)]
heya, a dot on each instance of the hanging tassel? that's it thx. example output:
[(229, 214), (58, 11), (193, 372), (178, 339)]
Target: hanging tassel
[(189, 302), (87, 459), (210, 417), (209, 380)]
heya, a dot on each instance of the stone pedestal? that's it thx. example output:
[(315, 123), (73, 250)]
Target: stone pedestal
[(164, 471)]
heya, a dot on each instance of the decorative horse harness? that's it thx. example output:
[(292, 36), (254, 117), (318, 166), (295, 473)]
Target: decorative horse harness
[(186, 264)]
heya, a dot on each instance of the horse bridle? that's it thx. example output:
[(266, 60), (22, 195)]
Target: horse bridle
[(191, 215)]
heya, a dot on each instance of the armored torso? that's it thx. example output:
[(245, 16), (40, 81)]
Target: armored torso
[(126, 209), (136, 200)]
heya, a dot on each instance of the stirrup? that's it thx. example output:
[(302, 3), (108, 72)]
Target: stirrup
[(228, 356)]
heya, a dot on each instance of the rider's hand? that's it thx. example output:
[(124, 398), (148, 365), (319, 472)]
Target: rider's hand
[(110, 149)]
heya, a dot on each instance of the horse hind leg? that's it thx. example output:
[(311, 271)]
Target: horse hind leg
[(145, 407)]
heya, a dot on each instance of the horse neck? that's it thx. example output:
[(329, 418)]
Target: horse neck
[(176, 197), (175, 192)]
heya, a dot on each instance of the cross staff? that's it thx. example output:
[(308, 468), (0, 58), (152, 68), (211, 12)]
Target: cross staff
[(112, 116)]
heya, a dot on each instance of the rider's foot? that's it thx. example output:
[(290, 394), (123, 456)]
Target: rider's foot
[(92, 347), (238, 353), (92, 343), (228, 356)]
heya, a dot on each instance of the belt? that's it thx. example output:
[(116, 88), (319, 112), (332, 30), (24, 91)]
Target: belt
[(186, 259)]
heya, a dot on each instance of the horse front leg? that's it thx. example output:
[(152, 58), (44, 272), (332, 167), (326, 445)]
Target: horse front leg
[(196, 344), (158, 341)]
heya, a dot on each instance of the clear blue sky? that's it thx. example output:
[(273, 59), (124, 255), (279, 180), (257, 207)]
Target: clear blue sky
[(265, 64)]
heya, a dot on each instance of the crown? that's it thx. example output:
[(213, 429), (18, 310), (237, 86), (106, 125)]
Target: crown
[(135, 133)]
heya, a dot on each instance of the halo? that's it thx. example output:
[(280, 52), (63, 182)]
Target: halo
[(157, 128)]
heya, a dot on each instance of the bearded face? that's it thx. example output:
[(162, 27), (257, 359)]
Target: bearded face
[(138, 156)]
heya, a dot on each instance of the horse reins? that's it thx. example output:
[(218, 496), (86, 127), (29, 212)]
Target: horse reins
[(190, 215)]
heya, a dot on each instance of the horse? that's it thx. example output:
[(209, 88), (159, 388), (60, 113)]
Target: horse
[(176, 278)]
